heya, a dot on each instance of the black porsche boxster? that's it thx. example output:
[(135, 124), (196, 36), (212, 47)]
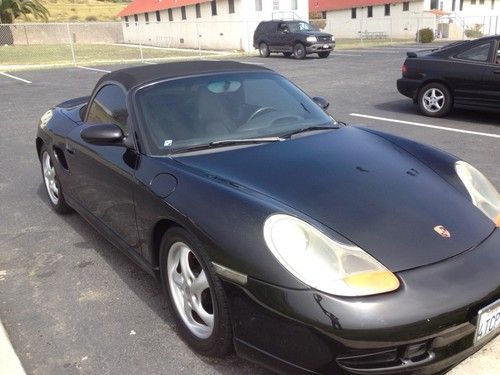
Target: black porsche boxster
[(307, 245)]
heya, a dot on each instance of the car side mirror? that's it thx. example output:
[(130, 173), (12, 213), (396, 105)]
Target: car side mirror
[(105, 134), (321, 102)]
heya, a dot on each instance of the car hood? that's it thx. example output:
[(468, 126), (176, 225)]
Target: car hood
[(361, 186), (316, 33)]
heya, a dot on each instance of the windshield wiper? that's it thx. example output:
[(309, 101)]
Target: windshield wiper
[(310, 128), (228, 142)]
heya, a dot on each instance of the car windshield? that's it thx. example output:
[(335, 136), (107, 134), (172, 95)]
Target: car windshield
[(299, 26), (187, 113)]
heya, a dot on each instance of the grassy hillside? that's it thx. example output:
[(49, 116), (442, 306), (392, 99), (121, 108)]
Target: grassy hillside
[(81, 10)]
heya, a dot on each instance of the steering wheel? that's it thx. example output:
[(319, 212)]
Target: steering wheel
[(260, 112)]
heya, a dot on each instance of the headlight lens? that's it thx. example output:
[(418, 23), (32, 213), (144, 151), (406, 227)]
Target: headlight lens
[(312, 39), (323, 263), (483, 193)]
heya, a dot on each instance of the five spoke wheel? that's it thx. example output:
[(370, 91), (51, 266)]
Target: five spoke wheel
[(190, 290), (50, 178), (433, 100)]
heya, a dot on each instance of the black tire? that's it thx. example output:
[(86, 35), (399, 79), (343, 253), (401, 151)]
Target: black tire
[(429, 100), (56, 201), (219, 343), (287, 54), (299, 51), (323, 55), (264, 50)]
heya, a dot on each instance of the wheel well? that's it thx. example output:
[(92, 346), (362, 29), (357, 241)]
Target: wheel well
[(434, 81), (159, 230), (39, 144)]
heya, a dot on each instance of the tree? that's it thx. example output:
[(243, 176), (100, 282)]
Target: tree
[(11, 9)]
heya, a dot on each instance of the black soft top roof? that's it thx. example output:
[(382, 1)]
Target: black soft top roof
[(132, 77)]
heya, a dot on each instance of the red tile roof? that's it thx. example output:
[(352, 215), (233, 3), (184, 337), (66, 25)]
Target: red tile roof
[(145, 6), (322, 5)]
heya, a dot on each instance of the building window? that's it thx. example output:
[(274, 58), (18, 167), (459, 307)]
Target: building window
[(387, 9), (435, 4), (453, 5), (353, 13), (472, 2), (258, 5), (197, 8), (158, 17), (492, 4), (183, 12), (136, 19), (214, 7), (481, 2), (146, 17), (170, 15), (370, 11), (126, 21), (276, 4), (461, 4), (294, 5), (323, 14), (231, 6), (406, 6)]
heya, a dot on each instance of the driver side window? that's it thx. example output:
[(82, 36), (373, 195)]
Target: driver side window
[(109, 107)]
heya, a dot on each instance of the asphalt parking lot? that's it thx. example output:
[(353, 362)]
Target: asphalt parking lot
[(72, 303)]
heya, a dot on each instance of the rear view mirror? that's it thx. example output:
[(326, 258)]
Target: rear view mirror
[(321, 102), (105, 134)]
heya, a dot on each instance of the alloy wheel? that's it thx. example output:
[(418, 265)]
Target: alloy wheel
[(433, 100), (190, 290), (50, 178)]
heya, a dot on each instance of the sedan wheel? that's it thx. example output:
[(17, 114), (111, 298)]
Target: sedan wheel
[(435, 100), (52, 184), (264, 50), (195, 294)]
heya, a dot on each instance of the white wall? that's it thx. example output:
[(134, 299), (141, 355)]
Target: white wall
[(221, 32), (399, 25)]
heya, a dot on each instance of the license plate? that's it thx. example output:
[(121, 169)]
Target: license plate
[(326, 46), (488, 322)]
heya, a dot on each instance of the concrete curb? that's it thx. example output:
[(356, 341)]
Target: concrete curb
[(9, 362)]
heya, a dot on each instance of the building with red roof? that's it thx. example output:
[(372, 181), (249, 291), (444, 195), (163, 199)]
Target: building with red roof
[(204, 24)]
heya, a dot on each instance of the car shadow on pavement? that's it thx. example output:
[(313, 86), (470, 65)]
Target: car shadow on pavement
[(146, 287), (406, 106)]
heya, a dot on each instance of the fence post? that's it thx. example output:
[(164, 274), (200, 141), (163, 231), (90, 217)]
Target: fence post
[(140, 49), (198, 36), (390, 19), (71, 44)]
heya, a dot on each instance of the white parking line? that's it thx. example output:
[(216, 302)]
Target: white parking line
[(14, 77), (411, 123), (149, 62), (94, 69)]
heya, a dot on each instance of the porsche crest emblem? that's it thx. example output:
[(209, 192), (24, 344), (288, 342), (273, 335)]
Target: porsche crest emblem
[(442, 231)]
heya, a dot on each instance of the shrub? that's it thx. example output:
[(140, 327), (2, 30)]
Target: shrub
[(474, 32), (91, 18), (425, 35), (319, 24)]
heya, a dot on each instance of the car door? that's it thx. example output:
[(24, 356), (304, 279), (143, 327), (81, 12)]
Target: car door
[(492, 79), (102, 176), (284, 37), (466, 73)]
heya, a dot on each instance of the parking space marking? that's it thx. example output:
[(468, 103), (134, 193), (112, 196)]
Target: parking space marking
[(14, 77), (149, 62), (94, 69), (411, 123)]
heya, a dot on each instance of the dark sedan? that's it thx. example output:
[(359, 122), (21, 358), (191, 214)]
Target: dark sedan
[(306, 245), (465, 74)]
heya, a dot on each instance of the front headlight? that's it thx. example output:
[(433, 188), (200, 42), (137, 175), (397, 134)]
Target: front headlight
[(481, 190), (323, 263), (312, 39)]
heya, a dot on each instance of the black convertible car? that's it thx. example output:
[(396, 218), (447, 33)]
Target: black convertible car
[(465, 74), (306, 245)]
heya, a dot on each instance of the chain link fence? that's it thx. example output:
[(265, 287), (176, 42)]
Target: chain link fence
[(53, 44), (60, 44)]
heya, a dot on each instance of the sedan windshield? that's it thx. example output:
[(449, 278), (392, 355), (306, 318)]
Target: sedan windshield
[(296, 27), (201, 112)]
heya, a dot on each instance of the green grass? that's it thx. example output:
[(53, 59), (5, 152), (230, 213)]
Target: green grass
[(60, 54), (367, 43), (80, 10)]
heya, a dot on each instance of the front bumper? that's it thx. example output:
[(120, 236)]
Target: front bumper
[(425, 327), (409, 87), (320, 47)]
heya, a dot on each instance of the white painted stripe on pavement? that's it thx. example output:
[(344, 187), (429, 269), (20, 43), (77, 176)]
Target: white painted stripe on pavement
[(149, 62), (9, 361), (94, 69), (14, 77), (411, 123)]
